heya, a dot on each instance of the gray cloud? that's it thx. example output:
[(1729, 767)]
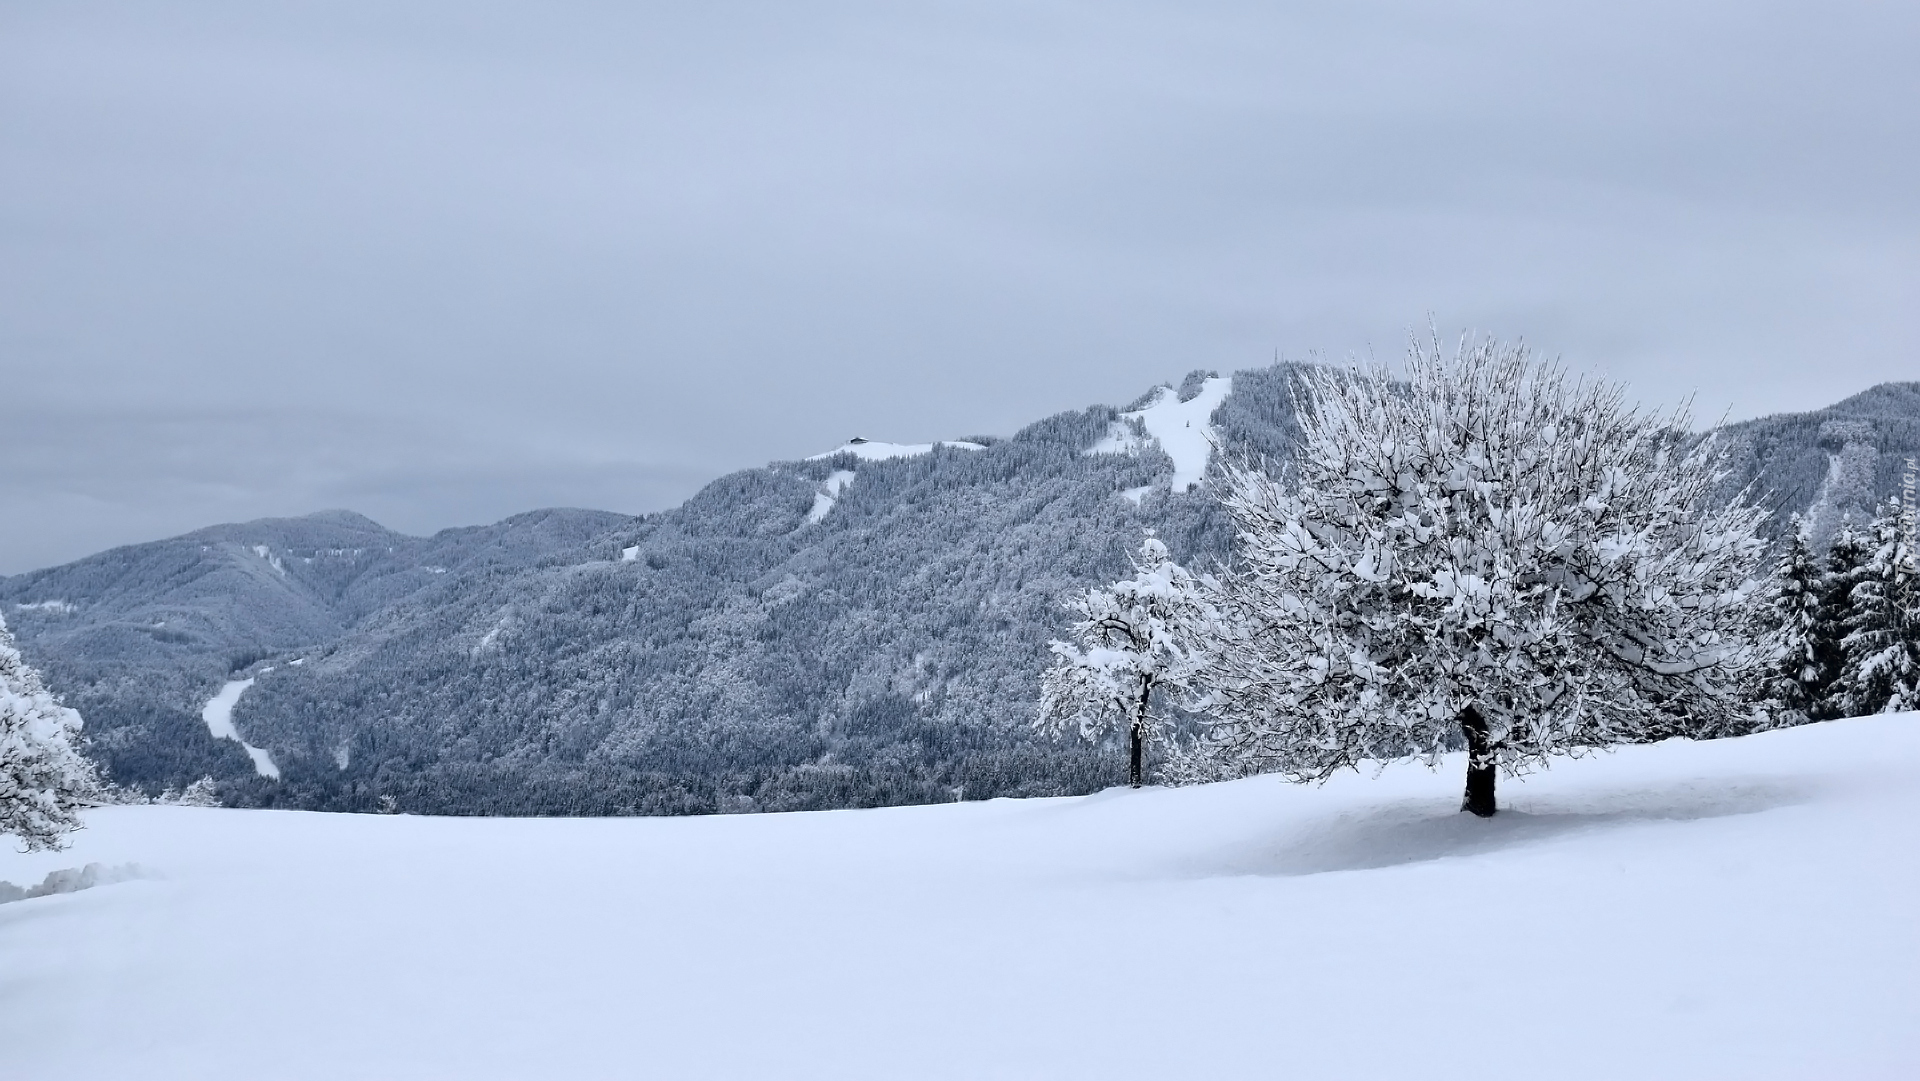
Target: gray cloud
[(441, 262)]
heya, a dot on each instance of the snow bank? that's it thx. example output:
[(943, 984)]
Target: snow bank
[(218, 713), (1742, 909), (1182, 429), (71, 880)]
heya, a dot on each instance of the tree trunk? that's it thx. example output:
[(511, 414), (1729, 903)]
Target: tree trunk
[(1136, 734), (1480, 775)]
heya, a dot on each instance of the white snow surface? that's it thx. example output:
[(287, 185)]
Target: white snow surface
[(218, 713), (872, 451), (829, 493), (273, 561), (1183, 429), (1735, 909), (59, 607)]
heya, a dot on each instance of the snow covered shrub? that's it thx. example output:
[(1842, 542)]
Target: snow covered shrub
[(1488, 554), (43, 780), (201, 793), (1135, 637)]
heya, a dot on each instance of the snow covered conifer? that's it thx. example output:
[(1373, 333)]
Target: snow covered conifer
[(201, 793), (43, 780), (1803, 637), (1882, 669), (1846, 562), (1488, 554), (1134, 639)]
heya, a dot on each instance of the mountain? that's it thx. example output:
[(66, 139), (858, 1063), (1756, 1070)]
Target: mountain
[(139, 638), (1832, 464), (859, 628)]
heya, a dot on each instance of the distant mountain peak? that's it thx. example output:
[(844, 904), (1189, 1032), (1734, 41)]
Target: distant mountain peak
[(872, 450), (344, 517), (1900, 400)]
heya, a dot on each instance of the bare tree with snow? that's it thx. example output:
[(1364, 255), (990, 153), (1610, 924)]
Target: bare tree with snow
[(1135, 638), (43, 780), (1488, 555)]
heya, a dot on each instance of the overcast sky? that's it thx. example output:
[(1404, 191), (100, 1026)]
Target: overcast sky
[(443, 262)]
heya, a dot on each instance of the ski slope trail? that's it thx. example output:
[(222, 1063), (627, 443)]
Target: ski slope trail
[(1737, 909), (218, 714)]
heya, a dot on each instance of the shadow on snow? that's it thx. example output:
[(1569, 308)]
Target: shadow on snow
[(1417, 831)]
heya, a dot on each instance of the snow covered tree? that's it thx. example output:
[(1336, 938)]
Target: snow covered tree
[(1134, 639), (1882, 669), (201, 793), (1487, 555), (43, 780), (1802, 638), (1845, 564)]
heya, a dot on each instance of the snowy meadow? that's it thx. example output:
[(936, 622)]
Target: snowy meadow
[(591, 541), (1740, 908)]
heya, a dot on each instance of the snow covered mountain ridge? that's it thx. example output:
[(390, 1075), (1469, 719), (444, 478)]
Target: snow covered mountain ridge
[(863, 627), (872, 451)]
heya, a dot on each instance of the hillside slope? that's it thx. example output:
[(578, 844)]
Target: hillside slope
[(139, 638), (859, 628), (1830, 464), (1741, 909)]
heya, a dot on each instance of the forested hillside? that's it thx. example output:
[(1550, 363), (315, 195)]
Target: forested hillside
[(1831, 464), (139, 638), (861, 628)]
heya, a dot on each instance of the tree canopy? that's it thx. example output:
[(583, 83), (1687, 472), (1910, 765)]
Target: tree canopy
[(43, 779), (1485, 553)]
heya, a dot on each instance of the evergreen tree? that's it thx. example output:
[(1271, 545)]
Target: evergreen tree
[(1803, 637), (1882, 669), (1845, 563), (43, 780), (201, 793)]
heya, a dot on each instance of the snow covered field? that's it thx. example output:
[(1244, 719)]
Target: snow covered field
[(1742, 909)]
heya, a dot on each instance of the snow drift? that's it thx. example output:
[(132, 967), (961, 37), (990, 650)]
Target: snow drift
[(69, 880)]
